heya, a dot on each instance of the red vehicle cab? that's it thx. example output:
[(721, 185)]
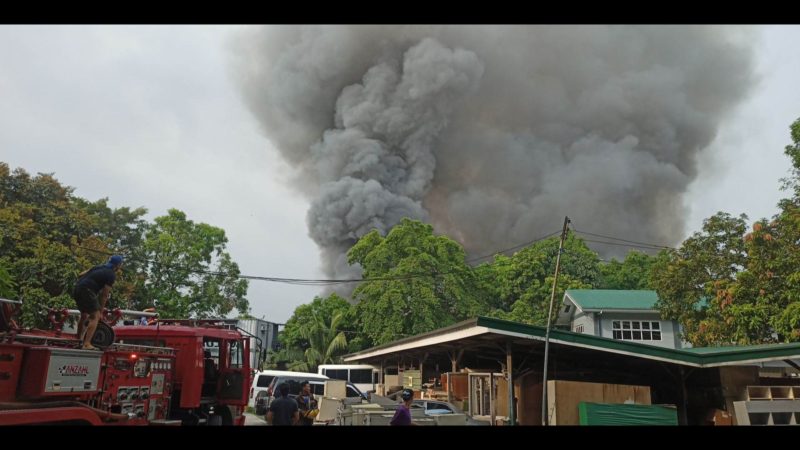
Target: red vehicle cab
[(212, 369)]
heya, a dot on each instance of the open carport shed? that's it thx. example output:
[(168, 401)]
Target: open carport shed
[(695, 380)]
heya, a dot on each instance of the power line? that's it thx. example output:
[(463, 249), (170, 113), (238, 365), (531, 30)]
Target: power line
[(649, 247), (314, 282), (623, 240), (295, 281), (329, 282), (513, 248)]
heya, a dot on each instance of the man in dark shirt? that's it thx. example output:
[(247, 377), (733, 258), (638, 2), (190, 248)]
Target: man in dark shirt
[(93, 283), (283, 410), (403, 414)]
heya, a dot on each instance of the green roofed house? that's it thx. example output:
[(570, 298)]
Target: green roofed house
[(619, 314)]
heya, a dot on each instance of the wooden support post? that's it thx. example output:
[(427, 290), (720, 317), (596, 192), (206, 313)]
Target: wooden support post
[(492, 401), (421, 378), (491, 397), (683, 418), (381, 378), (449, 390), (549, 322), (510, 379)]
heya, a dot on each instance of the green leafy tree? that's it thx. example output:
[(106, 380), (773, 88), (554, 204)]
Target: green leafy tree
[(525, 280), (117, 230), (48, 236), (727, 285), (323, 307), (292, 359), (631, 273), (42, 227), (7, 284), (317, 333), (700, 270), (327, 343), (771, 281), (189, 273), (428, 285)]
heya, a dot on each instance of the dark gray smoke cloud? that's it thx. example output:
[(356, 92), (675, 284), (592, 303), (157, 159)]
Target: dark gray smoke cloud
[(493, 134)]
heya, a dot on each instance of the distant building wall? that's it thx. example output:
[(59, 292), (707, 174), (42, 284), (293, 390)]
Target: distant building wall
[(266, 331), (668, 328), (583, 323)]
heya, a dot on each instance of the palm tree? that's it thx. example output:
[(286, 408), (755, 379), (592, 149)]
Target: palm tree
[(287, 358), (326, 343)]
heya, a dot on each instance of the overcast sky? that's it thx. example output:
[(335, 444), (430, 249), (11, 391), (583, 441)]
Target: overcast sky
[(148, 116)]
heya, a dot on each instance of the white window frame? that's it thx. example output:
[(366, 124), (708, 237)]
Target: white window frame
[(579, 328), (619, 329)]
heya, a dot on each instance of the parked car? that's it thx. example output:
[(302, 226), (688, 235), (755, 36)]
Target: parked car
[(261, 382), (293, 379), (435, 407)]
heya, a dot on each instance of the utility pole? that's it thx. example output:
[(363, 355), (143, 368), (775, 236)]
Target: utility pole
[(545, 420)]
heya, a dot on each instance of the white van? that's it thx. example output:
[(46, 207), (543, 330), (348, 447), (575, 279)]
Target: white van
[(363, 376), (262, 380)]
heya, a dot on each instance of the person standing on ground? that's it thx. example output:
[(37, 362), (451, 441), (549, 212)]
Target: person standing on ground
[(307, 404), (283, 410), (402, 416)]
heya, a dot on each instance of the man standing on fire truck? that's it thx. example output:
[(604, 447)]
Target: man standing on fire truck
[(92, 283)]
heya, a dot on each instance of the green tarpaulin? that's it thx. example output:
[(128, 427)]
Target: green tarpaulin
[(625, 414)]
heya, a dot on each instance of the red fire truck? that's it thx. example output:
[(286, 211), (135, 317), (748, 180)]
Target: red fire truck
[(165, 373)]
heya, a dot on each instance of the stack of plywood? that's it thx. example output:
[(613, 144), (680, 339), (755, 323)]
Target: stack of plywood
[(563, 398), (459, 385), (411, 379), (528, 390)]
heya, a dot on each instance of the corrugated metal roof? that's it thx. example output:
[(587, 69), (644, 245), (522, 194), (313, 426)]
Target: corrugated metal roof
[(615, 299), (698, 357), (605, 299)]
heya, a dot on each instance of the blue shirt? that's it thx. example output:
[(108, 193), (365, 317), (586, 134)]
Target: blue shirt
[(98, 278)]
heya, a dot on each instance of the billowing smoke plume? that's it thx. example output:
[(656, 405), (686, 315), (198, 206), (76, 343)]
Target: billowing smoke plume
[(493, 134)]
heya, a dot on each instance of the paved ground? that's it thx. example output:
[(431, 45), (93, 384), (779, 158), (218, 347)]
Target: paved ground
[(254, 420)]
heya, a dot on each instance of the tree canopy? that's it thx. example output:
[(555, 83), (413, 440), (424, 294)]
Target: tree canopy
[(48, 236), (729, 285), (422, 282)]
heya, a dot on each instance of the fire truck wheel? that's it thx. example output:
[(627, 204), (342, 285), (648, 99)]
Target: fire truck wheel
[(215, 421), (103, 335)]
